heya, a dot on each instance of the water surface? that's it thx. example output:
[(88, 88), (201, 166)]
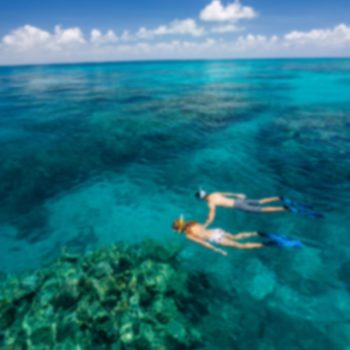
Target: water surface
[(97, 153)]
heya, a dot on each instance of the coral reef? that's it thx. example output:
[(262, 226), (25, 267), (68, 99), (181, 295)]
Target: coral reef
[(119, 297)]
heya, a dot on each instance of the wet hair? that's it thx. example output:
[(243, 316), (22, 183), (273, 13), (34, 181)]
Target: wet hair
[(178, 225)]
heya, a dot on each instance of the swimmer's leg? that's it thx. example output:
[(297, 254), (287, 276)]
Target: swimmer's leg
[(238, 245), (269, 200), (273, 209), (250, 206), (242, 235)]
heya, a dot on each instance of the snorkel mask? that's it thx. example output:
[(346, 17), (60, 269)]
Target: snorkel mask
[(201, 194)]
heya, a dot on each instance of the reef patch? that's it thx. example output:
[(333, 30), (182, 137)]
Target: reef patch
[(117, 297)]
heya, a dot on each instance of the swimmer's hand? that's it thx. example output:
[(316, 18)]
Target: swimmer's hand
[(220, 251), (241, 196)]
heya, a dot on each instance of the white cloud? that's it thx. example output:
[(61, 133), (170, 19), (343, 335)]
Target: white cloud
[(68, 36), (144, 33), (111, 36), (226, 28), (183, 27), (337, 36), (216, 11), (97, 37), (26, 37)]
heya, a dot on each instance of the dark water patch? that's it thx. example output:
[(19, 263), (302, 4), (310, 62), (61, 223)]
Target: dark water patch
[(309, 149), (344, 274), (228, 87), (207, 122), (87, 237), (135, 99), (272, 78), (61, 126), (302, 334), (28, 180), (31, 225), (278, 89), (15, 249), (319, 66), (344, 81), (83, 242), (8, 111)]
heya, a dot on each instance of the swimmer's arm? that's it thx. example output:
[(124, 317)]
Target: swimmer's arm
[(238, 195), (211, 216), (206, 245)]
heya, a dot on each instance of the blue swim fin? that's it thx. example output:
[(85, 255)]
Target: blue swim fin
[(301, 209), (278, 240)]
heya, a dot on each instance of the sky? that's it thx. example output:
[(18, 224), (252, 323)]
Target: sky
[(34, 31)]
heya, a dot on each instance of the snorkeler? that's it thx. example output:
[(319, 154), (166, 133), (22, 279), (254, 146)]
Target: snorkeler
[(200, 234), (239, 201)]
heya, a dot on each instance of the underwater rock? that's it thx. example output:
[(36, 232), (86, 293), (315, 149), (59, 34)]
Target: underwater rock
[(102, 269), (157, 276), (30, 283), (163, 309), (113, 298), (127, 334), (7, 314), (68, 296)]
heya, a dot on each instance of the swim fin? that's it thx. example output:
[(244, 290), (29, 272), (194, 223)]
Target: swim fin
[(278, 240), (301, 209), (292, 203)]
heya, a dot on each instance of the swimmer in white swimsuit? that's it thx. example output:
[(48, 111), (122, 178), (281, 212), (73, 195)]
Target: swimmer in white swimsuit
[(217, 235), (208, 238)]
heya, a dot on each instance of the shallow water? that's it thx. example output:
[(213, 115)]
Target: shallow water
[(93, 154)]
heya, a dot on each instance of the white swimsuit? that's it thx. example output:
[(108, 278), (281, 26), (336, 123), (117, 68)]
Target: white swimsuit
[(217, 235)]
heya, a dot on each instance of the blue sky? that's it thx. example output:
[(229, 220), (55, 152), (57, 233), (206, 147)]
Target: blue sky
[(36, 31)]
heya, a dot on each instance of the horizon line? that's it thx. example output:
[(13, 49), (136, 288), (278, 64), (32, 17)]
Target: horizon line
[(136, 61)]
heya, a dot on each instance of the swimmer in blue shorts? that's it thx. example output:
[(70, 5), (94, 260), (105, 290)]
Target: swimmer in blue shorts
[(237, 201)]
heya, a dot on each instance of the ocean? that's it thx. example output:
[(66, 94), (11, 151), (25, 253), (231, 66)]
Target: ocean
[(94, 154)]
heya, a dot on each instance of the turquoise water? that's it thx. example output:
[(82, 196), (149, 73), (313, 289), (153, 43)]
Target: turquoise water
[(93, 154)]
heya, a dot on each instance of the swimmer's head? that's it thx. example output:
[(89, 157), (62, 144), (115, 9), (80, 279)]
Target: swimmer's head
[(179, 224), (201, 194)]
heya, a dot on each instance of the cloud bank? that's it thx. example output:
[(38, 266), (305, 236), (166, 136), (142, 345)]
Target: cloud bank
[(216, 35)]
